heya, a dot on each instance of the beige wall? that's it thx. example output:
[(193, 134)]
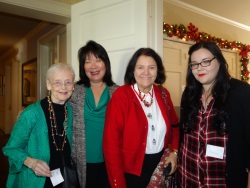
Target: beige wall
[(211, 24), (11, 67)]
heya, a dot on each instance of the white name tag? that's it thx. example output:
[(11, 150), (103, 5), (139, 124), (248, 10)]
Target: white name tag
[(56, 177), (215, 151)]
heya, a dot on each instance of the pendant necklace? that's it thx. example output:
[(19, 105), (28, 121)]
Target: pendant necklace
[(53, 123), (147, 99)]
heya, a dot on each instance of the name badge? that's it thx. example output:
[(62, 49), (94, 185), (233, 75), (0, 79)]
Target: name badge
[(215, 151), (56, 177)]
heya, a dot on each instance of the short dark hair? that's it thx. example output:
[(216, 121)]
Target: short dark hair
[(129, 74), (98, 51)]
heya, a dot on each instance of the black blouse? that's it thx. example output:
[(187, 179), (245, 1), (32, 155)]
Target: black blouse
[(56, 156)]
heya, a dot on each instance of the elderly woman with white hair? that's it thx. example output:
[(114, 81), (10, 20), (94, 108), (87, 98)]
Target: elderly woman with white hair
[(41, 138)]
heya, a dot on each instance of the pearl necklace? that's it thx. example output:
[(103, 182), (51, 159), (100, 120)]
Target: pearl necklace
[(53, 124)]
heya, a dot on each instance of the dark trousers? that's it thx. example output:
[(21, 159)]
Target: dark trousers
[(96, 176), (149, 164)]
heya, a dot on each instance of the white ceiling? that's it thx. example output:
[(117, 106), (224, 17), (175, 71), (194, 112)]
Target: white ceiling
[(13, 28)]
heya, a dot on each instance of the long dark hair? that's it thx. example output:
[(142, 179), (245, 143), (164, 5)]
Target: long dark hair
[(98, 51), (193, 91), (129, 77)]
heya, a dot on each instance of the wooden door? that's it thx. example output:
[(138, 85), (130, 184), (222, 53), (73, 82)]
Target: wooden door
[(231, 58), (175, 59)]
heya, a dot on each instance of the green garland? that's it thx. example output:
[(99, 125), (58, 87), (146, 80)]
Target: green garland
[(191, 33)]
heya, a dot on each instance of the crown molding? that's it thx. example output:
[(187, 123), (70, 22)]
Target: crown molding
[(207, 14), (48, 10)]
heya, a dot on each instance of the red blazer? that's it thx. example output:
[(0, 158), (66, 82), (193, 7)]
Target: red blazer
[(125, 133)]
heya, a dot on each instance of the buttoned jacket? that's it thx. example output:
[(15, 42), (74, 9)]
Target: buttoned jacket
[(125, 132)]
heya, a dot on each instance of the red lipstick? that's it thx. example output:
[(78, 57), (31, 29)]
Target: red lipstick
[(201, 75)]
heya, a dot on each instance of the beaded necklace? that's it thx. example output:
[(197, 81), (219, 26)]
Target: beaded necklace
[(142, 98), (53, 124)]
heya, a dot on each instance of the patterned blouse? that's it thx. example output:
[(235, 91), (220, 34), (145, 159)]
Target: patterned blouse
[(196, 167)]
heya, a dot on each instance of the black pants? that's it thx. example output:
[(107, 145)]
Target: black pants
[(96, 176), (149, 164)]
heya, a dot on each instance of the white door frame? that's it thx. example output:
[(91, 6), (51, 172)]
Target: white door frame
[(44, 60)]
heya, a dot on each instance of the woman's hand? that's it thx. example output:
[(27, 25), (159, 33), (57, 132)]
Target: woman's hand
[(173, 160), (39, 167)]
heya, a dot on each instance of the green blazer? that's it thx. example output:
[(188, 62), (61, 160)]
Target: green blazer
[(29, 138)]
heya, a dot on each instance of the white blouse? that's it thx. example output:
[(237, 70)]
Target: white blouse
[(156, 125)]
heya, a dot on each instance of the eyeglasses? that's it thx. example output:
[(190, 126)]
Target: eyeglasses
[(66, 83), (204, 63)]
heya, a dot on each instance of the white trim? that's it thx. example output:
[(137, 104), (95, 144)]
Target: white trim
[(208, 14), (46, 10), (48, 6), (43, 60), (176, 39)]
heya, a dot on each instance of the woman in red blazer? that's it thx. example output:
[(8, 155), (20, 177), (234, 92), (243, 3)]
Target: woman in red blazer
[(140, 123)]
